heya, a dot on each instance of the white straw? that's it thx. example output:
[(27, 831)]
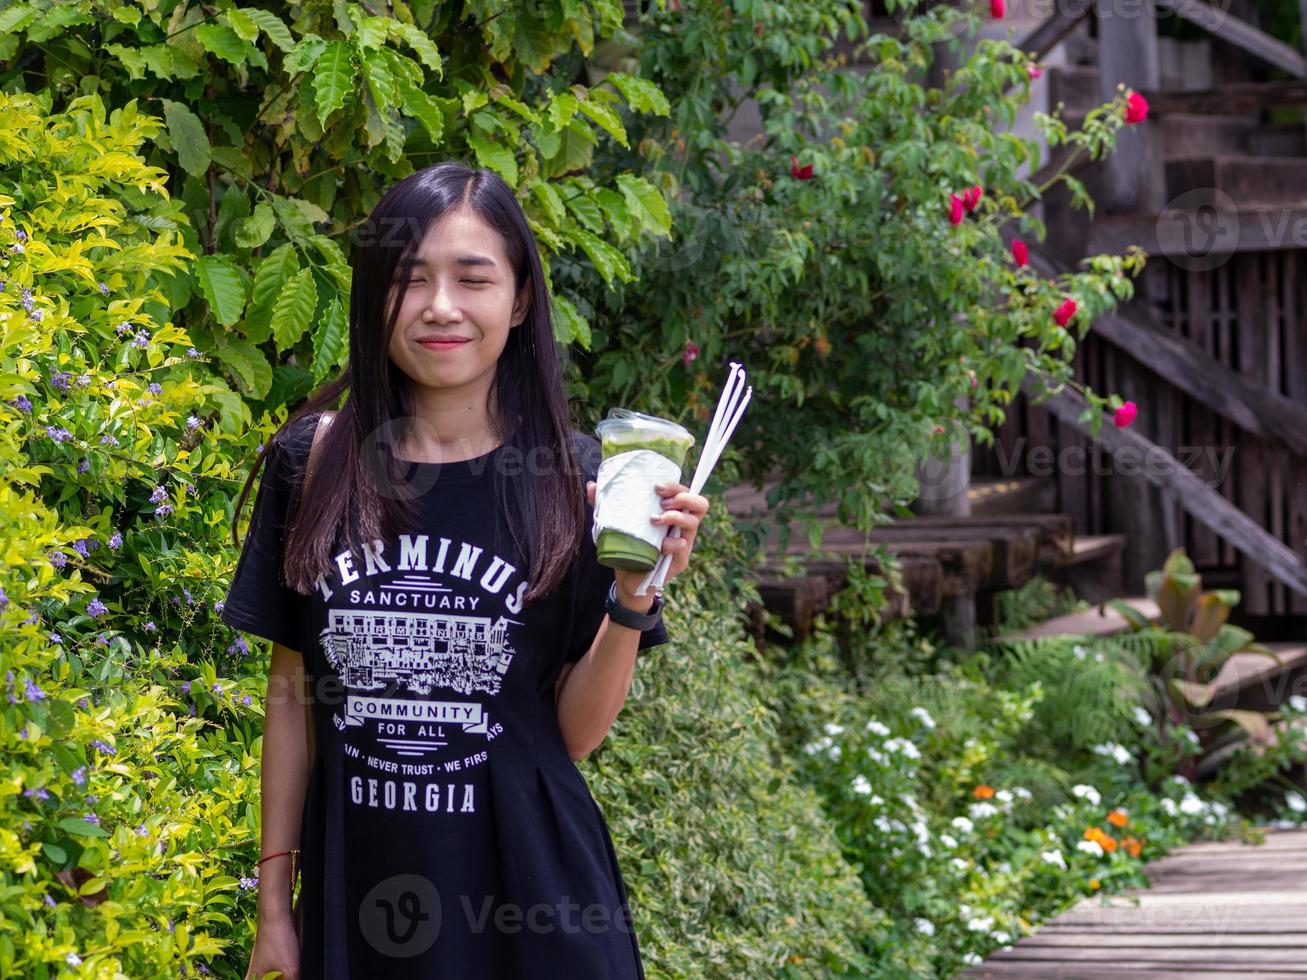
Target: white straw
[(730, 409)]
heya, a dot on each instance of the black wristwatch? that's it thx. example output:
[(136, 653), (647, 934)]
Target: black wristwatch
[(629, 618)]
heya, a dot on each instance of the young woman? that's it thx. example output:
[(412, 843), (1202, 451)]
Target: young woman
[(430, 587)]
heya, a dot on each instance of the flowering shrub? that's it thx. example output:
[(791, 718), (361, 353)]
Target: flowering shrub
[(971, 821)]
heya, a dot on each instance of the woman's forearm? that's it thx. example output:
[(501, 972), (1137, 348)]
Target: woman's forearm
[(596, 688), (284, 778)]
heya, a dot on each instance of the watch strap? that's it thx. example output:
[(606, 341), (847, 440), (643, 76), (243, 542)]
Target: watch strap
[(629, 618)]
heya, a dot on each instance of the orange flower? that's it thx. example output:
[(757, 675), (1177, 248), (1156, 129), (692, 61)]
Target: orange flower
[(1117, 818), (1094, 885), (1106, 841), (983, 792), (1133, 847)]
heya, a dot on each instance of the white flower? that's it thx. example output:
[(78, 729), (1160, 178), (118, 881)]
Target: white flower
[(861, 784), (1142, 716), (1003, 796), (922, 831), (834, 752), (882, 824), (925, 850), (1297, 702), (904, 746), (1192, 736), (1080, 651), (1021, 793), (1296, 802), (1191, 804), (876, 800), (72, 959), (958, 864), (875, 755), (971, 959), (1087, 793), (876, 728), (1181, 780), (1055, 857), (1090, 847), (924, 926), (834, 729), (909, 802), (1111, 750), (1001, 937), (1169, 806), (982, 924), (979, 811), (923, 716), (948, 840), (963, 824), (821, 745)]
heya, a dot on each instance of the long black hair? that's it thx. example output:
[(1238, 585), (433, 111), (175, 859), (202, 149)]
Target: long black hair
[(526, 402)]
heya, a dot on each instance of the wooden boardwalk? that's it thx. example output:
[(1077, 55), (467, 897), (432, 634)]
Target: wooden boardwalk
[(1214, 909)]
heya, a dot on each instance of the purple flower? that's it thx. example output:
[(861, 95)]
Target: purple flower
[(149, 626), (81, 702), (72, 959), (34, 692), (96, 608), (217, 606), (22, 404), (38, 315), (91, 798), (186, 687), (79, 546), (192, 352), (60, 380), (246, 700), (26, 299), (58, 433), (102, 640), (217, 688), (239, 646), (58, 559), (22, 732), (163, 510), (159, 494), (108, 439), (21, 235), (91, 818), (115, 541), (79, 775), (192, 422), (142, 832), (83, 380), (49, 900), (56, 638), (39, 793), (17, 248), (122, 328), (187, 592), (104, 288), (142, 339), (84, 465), (154, 388), (249, 883), (104, 747), (4, 600)]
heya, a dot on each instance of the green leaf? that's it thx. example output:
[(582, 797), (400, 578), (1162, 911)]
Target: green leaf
[(609, 261), (299, 215), (243, 24), (492, 155), (641, 94), (220, 282), (550, 202), (607, 118), (646, 203), (293, 309), (304, 55), (575, 150), (422, 107), (188, 138), (251, 369), (256, 229), (587, 211), (82, 828), (330, 341), (221, 40), (269, 279), (422, 45), (333, 79), (569, 325), (272, 25)]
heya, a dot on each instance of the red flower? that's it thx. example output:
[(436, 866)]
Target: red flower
[(1020, 254), (1125, 414), (998, 8), (1136, 109), (691, 352), (955, 214), (800, 173), (1033, 70), (1065, 312), (971, 197)]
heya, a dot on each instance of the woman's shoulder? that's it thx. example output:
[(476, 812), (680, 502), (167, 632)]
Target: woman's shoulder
[(293, 441), (588, 452)]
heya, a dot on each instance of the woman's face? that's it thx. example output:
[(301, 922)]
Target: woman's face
[(461, 291)]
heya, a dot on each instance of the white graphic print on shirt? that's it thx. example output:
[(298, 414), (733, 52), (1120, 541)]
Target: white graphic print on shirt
[(413, 639)]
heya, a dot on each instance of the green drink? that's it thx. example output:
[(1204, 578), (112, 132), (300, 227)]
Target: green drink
[(639, 452)]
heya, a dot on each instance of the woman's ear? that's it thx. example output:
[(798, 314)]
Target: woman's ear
[(521, 304)]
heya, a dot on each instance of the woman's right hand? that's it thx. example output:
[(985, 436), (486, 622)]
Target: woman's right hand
[(276, 947)]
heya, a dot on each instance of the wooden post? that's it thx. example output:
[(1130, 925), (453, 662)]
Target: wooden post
[(1127, 54), (943, 490)]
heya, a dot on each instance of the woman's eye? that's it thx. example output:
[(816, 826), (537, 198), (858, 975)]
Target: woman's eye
[(475, 281)]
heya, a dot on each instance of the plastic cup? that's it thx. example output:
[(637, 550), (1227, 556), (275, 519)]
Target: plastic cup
[(626, 431)]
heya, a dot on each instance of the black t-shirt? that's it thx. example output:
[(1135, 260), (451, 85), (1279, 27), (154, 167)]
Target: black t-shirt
[(445, 830)]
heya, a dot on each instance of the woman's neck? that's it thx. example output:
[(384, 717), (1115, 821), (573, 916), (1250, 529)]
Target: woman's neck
[(449, 427)]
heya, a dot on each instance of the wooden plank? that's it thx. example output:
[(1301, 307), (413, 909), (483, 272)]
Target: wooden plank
[(1280, 181), (1066, 15), (1014, 548), (1244, 401), (1055, 531), (1204, 504), (1171, 233), (1102, 621), (1127, 53), (1204, 545), (1066, 937), (1292, 307), (1251, 461), (1239, 33), (966, 564), (1229, 99), (1086, 971)]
